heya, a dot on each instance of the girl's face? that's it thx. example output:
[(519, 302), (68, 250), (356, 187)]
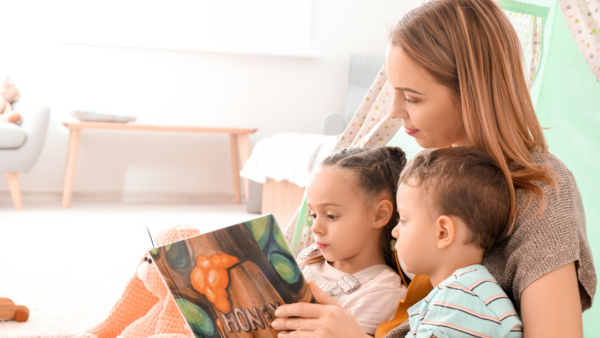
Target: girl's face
[(429, 111), (341, 219)]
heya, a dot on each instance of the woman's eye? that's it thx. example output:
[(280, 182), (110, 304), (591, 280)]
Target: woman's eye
[(331, 217), (409, 101)]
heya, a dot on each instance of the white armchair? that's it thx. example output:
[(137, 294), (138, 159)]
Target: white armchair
[(21, 144)]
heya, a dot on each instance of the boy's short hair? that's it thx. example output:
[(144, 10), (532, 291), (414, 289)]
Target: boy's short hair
[(467, 183)]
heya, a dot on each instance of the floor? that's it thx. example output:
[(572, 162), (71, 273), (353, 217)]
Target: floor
[(70, 266)]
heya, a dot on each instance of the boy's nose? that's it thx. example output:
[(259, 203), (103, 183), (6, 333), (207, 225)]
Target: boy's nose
[(396, 232)]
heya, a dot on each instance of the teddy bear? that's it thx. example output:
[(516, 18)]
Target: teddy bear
[(146, 308), (8, 95)]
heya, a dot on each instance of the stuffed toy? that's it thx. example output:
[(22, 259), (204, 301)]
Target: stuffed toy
[(8, 95), (146, 308)]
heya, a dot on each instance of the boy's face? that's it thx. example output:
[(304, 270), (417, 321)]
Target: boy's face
[(416, 231), (339, 215)]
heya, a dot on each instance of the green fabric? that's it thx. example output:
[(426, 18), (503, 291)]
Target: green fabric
[(567, 100)]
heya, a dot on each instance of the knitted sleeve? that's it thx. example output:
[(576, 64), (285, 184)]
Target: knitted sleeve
[(545, 243)]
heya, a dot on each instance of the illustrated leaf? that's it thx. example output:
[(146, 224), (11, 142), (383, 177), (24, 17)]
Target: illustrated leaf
[(200, 322), (285, 268), (179, 255), (259, 229)]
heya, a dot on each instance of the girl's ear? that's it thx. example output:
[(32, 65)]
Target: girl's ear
[(445, 232), (383, 212)]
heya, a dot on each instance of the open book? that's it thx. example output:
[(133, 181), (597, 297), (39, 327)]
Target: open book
[(228, 283)]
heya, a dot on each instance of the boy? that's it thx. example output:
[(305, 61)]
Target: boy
[(454, 204)]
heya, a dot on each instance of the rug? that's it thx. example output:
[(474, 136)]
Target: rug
[(70, 266)]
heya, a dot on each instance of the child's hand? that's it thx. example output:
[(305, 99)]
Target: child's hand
[(324, 320)]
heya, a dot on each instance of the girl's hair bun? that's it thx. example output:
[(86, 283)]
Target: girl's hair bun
[(397, 155)]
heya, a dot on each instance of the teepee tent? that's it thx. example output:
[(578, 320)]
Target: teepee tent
[(561, 49)]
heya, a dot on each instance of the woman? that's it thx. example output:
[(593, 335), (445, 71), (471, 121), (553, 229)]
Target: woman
[(457, 70)]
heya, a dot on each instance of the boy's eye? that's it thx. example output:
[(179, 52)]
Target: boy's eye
[(331, 217), (312, 216), (402, 221)]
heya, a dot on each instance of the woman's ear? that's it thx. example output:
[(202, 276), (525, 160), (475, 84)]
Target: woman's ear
[(383, 212), (445, 232)]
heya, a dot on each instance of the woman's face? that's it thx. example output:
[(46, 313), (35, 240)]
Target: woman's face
[(429, 111)]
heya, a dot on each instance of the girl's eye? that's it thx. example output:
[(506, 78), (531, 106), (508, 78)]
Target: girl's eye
[(409, 101), (312, 216), (402, 221), (331, 217)]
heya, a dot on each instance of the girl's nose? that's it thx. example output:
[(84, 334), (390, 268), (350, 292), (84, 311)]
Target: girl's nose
[(316, 227)]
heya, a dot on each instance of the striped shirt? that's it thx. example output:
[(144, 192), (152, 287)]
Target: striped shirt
[(470, 303)]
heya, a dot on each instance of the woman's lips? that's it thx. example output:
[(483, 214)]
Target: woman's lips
[(411, 131), (322, 245)]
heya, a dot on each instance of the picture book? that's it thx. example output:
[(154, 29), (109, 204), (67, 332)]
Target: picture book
[(229, 282)]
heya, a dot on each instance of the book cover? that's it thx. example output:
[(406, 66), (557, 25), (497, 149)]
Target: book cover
[(229, 282)]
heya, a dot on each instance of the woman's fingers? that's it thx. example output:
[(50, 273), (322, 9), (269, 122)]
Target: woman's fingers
[(295, 324), (321, 296), (296, 334), (306, 310), (326, 319), (303, 310)]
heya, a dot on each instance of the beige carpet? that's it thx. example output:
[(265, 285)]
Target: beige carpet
[(69, 266)]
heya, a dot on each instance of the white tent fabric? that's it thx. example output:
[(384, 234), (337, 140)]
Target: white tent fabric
[(529, 31), (371, 126), (583, 19)]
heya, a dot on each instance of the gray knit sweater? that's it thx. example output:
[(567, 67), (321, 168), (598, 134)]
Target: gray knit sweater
[(543, 244)]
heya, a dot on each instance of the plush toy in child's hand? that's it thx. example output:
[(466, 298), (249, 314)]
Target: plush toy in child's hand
[(8, 95), (146, 308)]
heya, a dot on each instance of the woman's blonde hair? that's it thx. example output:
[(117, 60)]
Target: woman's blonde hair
[(471, 47)]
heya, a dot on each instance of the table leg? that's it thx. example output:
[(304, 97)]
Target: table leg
[(70, 170), (244, 145), (235, 166), (15, 191)]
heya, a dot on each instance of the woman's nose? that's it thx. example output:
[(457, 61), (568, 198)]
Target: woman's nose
[(398, 108)]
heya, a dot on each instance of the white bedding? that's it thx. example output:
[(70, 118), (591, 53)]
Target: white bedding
[(288, 156)]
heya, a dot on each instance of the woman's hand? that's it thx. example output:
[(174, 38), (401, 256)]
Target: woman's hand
[(324, 320)]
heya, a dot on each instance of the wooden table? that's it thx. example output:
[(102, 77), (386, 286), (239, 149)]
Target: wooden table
[(238, 137)]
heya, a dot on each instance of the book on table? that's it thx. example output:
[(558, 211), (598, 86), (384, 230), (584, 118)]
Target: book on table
[(229, 282)]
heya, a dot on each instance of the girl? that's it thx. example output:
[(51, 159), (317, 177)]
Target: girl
[(457, 72), (353, 210)]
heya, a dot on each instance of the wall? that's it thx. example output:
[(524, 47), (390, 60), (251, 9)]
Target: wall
[(273, 94)]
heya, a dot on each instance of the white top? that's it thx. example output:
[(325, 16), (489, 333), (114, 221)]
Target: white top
[(372, 303)]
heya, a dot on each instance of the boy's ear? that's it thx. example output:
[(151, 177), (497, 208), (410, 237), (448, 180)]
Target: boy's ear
[(445, 232), (383, 212)]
